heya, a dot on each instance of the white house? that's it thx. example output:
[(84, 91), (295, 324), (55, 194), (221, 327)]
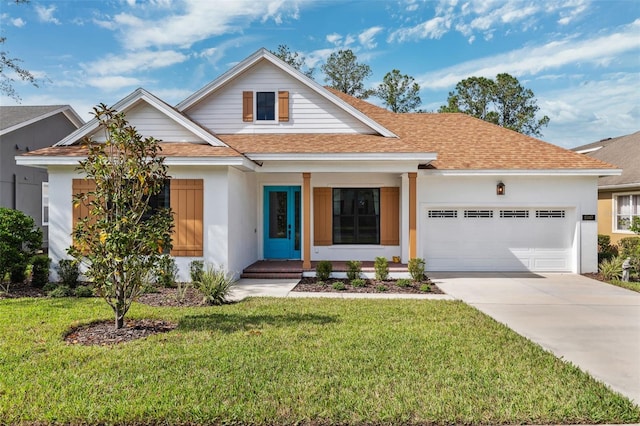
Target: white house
[(268, 164)]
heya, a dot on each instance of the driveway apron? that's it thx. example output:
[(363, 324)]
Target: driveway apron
[(594, 325)]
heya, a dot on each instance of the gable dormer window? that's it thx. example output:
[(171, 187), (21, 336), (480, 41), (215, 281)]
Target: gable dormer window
[(261, 107), (265, 106)]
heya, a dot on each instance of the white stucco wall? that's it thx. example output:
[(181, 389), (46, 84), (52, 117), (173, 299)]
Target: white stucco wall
[(243, 225), (578, 194)]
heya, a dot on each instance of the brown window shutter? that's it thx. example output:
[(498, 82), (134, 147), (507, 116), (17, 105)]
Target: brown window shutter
[(283, 106), (187, 206), (390, 216), (81, 210), (247, 106), (322, 217)]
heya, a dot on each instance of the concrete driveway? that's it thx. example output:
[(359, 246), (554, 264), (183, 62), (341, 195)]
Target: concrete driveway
[(593, 325)]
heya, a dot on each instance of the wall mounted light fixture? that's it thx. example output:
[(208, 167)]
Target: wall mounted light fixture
[(500, 188)]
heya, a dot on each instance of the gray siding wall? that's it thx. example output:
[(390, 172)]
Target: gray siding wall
[(26, 194)]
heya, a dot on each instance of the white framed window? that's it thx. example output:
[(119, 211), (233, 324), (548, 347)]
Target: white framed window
[(625, 208), (45, 203)]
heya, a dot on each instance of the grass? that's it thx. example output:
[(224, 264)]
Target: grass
[(631, 285), (314, 361)]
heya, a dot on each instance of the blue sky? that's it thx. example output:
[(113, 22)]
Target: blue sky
[(581, 58)]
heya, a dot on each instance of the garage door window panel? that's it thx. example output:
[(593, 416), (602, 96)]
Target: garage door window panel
[(356, 216), (627, 207)]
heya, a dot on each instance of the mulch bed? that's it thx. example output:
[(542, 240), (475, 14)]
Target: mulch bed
[(22, 290), (310, 284), (104, 333)]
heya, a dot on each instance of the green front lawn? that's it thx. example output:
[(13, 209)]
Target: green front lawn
[(266, 361), (631, 285)]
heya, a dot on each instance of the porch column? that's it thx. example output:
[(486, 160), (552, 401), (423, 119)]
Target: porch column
[(412, 215), (306, 213)]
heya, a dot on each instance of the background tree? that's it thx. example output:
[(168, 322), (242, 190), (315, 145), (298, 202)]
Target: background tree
[(19, 239), (12, 64), (294, 59), (503, 101), (344, 73), (123, 237), (399, 92)]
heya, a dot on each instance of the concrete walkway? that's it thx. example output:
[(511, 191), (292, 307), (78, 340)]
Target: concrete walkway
[(594, 325)]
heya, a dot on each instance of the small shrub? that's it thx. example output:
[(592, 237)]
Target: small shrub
[(148, 287), (322, 283), (323, 270), (48, 287), (215, 286), (18, 273), (61, 291), (416, 269), (354, 268), (40, 270), (381, 266), (425, 288), (196, 268), (84, 291), (403, 282), (339, 285), (381, 288), (611, 269), (630, 247), (166, 271), (605, 249), (358, 282), (68, 272)]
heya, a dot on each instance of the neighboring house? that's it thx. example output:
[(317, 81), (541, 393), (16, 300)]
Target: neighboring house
[(268, 164), (24, 129), (618, 196)]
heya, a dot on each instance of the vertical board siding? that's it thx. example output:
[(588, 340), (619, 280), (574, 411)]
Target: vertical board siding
[(412, 215), (81, 210), (322, 217), (283, 106), (390, 216), (247, 106), (187, 206)]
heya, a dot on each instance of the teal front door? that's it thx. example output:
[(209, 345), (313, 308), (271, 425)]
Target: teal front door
[(282, 222)]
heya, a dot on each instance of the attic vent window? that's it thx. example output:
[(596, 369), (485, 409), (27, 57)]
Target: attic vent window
[(265, 106), (550, 213)]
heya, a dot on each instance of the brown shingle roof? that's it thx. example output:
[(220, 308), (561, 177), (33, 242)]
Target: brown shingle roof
[(460, 141), (169, 149), (624, 152)]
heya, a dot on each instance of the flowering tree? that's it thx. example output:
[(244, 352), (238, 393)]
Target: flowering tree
[(123, 237)]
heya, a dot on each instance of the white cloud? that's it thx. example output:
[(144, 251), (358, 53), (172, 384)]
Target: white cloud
[(366, 38), (532, 60), (115, 82), (334, 38), (45, 14), (190, 21), (135, 61), (485, 16), (18, 22)]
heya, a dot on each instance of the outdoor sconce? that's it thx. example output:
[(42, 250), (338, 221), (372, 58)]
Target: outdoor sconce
[(500, 188)]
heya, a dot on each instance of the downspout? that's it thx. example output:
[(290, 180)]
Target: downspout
[(14, 197)]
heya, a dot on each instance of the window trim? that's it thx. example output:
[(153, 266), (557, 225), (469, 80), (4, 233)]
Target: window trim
[(614, 215), (45, 185)]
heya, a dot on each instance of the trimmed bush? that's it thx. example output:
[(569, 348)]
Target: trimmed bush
[(166, 271), (215, 285), (40, 270), (381, 288), (339, 285), (358, 282), (605, 249), (354, 268), (19, 239), (403, 282), (196, 268), (61, 291), (84, 291), (18, 273), (416, 268), (323, 270), (381, 266), (68, 272)]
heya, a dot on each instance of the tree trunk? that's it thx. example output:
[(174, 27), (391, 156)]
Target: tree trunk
[(119, 320)]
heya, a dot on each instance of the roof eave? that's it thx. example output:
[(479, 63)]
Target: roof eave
[(524, 172)]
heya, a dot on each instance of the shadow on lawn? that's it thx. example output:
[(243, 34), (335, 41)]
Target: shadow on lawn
[(229, 323)]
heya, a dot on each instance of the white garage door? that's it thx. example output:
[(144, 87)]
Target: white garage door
[(498, 239)]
